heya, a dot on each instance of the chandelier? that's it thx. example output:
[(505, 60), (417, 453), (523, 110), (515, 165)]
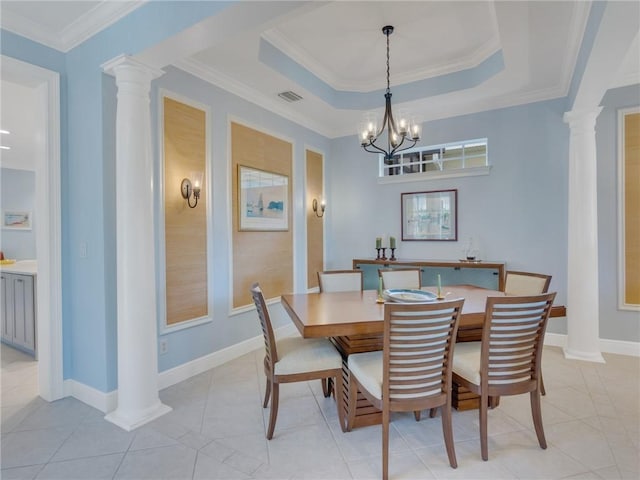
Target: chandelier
[(401, 136)]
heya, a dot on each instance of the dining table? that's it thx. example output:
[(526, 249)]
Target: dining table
[(354, 322)]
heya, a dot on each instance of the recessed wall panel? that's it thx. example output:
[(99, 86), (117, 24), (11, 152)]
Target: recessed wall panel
[(185, 228)]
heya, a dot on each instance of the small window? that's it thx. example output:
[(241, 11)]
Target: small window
[(448, 160)]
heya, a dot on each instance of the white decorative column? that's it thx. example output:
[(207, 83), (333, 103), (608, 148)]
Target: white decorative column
[(138, 401), (583, 342)]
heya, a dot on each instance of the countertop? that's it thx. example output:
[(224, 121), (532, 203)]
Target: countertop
[(26, 267)]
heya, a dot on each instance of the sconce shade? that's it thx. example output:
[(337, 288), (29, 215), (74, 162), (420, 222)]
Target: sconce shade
[(314, 206), (190, 187)]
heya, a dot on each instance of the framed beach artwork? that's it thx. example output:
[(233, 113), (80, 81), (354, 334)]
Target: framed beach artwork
[(16, 220), (263, 200), (430, 215)]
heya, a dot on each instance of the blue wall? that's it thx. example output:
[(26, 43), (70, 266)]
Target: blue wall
[(516, 214), (19, 193)]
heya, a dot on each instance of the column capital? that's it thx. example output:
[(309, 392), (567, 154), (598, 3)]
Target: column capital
[(127, 63), (583, 118)]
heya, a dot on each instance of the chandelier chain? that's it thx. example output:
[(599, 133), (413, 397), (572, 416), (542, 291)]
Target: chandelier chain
[(388, 82)]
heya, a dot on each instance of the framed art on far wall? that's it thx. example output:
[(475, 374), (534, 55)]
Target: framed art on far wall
[(16, 220), (263, 200), (430, 215)]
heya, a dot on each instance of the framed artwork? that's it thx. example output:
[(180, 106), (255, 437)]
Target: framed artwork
[(16, 220), (430, 215), (263, 200)]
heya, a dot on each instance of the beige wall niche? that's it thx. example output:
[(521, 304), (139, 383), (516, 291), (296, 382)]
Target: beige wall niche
[(185, 228), (260, 256), (315, 225), (631, 205)]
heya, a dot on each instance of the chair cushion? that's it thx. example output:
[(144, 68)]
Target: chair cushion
[(466, 361), (367, 368), (300, 355)]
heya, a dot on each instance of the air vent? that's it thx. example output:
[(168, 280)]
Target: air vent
[(290, 96)]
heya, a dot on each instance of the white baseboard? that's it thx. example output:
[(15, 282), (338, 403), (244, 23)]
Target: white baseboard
[(215, 359), (617, 347), (107, 402)]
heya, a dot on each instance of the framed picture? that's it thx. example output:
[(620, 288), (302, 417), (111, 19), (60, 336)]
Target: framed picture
[(430, 215), (16, 220), (263, 200)]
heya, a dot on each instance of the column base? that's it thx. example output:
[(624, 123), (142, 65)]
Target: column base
[(585, 356), (128, 421)]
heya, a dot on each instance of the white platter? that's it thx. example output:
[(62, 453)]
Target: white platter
[(403, 295)]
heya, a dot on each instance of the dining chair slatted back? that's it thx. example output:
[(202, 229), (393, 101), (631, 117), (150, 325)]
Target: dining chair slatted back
[(270, 347), (414, 370), (294, 359), (400, 278), (507, 361), (340, 280), (527, 283)]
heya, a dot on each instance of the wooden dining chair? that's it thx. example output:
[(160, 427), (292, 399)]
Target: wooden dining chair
[(413, 371), (400, 277), (294, 359), (527, 283), (507, 360), (340, 280)]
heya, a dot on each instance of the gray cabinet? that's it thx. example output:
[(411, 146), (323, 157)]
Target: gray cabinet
[(18, 311)]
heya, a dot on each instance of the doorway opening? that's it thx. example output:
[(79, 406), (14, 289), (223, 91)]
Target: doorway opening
[(46, 86)]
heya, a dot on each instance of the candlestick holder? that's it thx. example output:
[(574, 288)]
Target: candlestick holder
[(384, 253), (393, 254), (378, 257)]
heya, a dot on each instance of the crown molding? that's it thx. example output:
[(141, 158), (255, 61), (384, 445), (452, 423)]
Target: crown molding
[(103, 15)]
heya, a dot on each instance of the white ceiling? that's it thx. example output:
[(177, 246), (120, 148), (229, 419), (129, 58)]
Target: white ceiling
[(447, 58)]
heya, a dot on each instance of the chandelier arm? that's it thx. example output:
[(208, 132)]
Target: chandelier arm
[(377, 148), (398, 149)]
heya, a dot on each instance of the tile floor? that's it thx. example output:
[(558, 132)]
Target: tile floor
[(217, 426)]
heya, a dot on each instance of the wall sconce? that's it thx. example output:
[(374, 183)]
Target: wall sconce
[(314, 206), (191, 188)]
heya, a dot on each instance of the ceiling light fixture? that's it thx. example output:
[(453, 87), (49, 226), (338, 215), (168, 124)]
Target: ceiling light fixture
[(399, 137)]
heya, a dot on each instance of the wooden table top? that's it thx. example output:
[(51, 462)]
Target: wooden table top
[(344, 314)]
